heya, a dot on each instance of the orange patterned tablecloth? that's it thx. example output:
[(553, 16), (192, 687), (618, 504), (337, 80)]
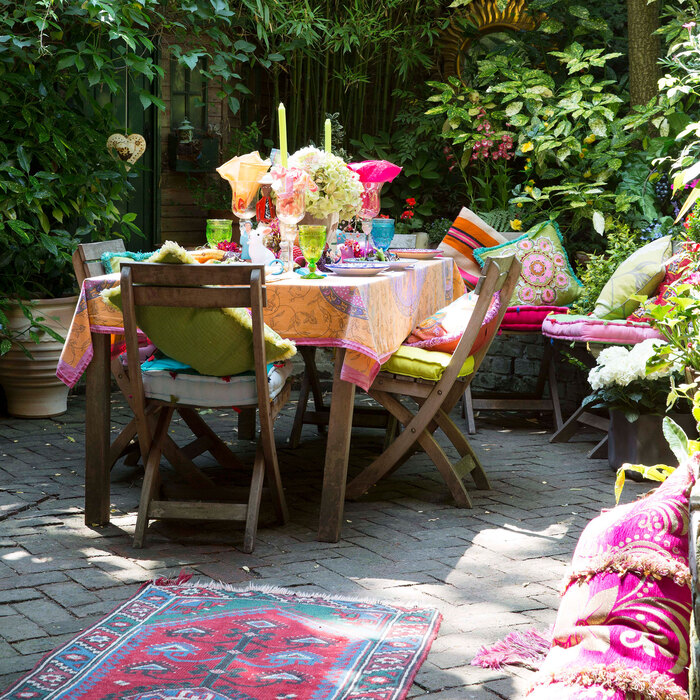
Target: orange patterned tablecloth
[(370, 317)]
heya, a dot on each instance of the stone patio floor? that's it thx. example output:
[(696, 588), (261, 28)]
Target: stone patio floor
[(489, 570)]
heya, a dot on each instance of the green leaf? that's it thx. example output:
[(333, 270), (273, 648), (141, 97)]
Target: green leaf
[(246, 46), (5, 346), (599, 222), (676, 438), (579, 11), (24, 159), (513, 108)]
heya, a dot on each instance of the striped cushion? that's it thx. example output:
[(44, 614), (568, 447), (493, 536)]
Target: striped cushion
[(467, 233)]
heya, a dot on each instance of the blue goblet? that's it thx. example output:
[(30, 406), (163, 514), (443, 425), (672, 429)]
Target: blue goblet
[(382, 233)]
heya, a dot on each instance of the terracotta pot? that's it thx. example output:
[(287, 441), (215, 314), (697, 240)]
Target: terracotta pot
[(643, 441), (30, 384)]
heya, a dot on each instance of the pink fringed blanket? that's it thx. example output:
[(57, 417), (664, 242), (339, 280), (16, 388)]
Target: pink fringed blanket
[(623, 623)]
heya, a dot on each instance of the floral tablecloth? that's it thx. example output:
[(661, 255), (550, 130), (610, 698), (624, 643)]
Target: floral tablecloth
[(370, 317)]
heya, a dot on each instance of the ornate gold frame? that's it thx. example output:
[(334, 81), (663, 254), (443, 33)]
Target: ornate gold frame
[(486, 16)]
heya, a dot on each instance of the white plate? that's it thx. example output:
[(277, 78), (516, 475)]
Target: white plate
[(401, 264), (358, 269), (415, 253)]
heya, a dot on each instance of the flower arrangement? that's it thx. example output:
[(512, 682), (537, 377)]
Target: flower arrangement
[(339, 188), (621, 380)]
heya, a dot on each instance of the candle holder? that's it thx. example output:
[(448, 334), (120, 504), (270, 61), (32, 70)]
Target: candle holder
[(370, 204), (291, 207)]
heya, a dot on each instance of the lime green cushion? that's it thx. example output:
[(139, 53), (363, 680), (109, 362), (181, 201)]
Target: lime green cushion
[(640, 274), (546, 277), (423, 364), (217, 342)]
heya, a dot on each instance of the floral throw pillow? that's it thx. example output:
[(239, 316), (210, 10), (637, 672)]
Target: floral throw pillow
[(622, 630), (546, 278)]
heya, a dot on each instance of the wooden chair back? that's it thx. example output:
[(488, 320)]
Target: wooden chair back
[(87, 259), (499, 278), (159, 284)]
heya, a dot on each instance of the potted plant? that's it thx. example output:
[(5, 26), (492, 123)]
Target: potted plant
[(636, 397)]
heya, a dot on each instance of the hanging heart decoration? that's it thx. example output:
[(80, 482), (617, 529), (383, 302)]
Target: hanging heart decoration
[(128, 148)]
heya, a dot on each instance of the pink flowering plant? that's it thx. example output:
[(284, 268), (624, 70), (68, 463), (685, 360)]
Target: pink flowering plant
[(481, 144)]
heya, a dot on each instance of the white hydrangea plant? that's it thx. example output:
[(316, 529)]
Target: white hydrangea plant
[(620, 380), (339, 188)]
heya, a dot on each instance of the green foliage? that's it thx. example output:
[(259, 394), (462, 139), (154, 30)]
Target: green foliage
[(570, 141), (621, 243), (437, 229), (61, 62)]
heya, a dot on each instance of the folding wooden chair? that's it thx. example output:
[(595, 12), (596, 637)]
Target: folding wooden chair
[(435, 399), (152, 284), (87, 262)]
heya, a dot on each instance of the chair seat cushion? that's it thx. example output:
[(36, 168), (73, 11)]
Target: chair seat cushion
[(589, 329), (111, 261), (423, 364), (528, 319), (166, 379)]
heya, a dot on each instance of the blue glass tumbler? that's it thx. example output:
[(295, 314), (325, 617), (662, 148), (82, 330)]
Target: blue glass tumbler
[(382, 233)]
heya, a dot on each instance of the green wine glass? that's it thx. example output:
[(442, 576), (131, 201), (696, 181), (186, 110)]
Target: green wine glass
[(312, 240)]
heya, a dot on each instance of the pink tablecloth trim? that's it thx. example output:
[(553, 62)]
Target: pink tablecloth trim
[(70, 375)]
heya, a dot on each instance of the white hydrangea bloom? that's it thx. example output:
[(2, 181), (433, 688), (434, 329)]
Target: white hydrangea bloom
[(617, 366), (339, 188)]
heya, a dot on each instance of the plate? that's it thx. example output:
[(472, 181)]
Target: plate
[(415, 253), (358, 269), (401, 264)]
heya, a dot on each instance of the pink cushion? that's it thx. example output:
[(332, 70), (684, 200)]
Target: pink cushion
[(444, 329), (528, 319), (623, 623), (589, 329)]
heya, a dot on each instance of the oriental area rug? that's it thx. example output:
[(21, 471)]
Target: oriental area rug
[(213, 642)]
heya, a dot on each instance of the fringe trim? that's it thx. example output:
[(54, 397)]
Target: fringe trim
[(527, 648), (646, 564), (651, 685), (278, 590)]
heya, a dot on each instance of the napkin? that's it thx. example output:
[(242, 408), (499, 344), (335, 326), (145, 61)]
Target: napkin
[(375, 170)]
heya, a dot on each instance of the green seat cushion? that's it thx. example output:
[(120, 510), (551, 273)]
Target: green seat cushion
[(546, 277), (423, 364), (112, 261), (216, 342), (640, 275)]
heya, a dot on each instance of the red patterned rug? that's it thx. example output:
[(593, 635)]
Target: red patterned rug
[(195, 642)]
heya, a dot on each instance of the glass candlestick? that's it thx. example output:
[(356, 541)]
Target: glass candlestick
[(291, 207), (370, 205)]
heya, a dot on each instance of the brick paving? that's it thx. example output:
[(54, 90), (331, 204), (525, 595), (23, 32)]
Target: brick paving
[(489, 570)]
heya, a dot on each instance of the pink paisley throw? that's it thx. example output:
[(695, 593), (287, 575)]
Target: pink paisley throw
[(623, 623)]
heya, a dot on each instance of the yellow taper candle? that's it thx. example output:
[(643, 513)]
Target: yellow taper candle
[(328, 135), (282, 118)]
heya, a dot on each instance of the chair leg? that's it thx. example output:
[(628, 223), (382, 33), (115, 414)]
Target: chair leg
[(214, 444), (461, 444), (554, 392), (468, 409), (246, 424), (152, 475), (271, 464), (254, 498)]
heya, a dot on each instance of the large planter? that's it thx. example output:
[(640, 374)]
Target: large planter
[(643, 441), (31, 387)]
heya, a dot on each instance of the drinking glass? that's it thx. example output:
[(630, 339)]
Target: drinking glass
[(243, 200), (291, 207), (312, 240), (383, 233), (218, 230), (369, 208)]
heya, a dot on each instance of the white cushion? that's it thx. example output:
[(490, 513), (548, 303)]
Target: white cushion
[(213, 392)]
